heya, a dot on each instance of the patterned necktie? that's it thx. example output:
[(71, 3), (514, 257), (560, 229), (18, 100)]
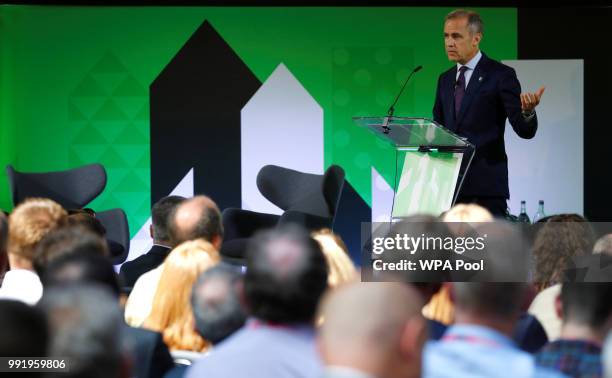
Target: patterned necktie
[(460, 90)]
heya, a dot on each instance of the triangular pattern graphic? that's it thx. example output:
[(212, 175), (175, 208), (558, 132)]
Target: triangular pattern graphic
[(129, 87), (110, 112), (109, 81), (88, 87), (109, 64)]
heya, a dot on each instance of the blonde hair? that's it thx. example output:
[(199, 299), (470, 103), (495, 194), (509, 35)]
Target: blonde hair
[(341, 268), (171, 313), (30, 222)]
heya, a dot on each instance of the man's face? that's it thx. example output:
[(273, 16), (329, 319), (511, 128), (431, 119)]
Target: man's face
[(460, 44)]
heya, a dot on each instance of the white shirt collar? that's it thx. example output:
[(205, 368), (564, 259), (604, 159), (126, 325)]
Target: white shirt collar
[(472, 63), (23, 285)]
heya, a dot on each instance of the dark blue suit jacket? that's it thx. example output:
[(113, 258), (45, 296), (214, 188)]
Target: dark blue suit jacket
[(492, 95)]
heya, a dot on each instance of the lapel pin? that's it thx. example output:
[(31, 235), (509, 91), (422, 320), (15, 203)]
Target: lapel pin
[(480, 78)]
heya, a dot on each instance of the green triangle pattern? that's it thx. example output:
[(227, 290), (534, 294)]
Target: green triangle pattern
[(89, 135), (131, 106), (74, 113), (144, 162), (109, 129), (130, 87), (109, 81), (88, 87), (111, 159), (131, 183), (87, 106), (144, 174), (109, 64), (131, 154), (143, 114), (131, 135), (88, 153), (110, 112)]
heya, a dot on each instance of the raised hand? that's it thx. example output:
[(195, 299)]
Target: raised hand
[(530, 100)]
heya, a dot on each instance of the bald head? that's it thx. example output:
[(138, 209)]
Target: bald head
[(196, 218), (374, 327)]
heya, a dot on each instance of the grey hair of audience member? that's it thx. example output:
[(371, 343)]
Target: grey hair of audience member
[(86, 328), (286, 275), (216, 304)]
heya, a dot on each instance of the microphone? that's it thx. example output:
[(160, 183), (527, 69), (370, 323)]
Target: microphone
[(391, 110)]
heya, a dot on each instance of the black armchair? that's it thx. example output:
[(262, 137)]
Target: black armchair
[(310, 200), (72, 188)]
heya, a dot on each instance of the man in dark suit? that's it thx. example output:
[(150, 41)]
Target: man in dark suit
[(473, 100), (131, 270)]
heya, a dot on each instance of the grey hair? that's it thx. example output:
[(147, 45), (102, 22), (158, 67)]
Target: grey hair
[(475, 23), (86, 328), (217, 316)]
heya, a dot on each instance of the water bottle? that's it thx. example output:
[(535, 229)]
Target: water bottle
[(540, 213), (523, 217)]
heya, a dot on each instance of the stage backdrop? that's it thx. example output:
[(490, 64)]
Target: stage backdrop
[(159, 95)]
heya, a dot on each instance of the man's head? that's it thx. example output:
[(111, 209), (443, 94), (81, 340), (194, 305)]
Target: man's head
[(68, 241), (216, 304), (160, 215), (496, 305), (81, 268), (286, 276), (86, 327), (373, 327), (196, 218), (29, 223), (603, 245), (462, 35), (587, 304)]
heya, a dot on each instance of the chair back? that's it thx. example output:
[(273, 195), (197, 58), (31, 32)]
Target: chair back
[(72, 188), (298, 191), (117, 233)]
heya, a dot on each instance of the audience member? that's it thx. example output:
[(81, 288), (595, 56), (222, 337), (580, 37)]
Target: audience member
[(562, 238), (460, 219), (479, 342), (86, 330), (215, 301), (285, 278), (196, 218), (67, 240), (385, 340), (160, 213), (341, 268), (586, 310), (150, 356), (171, 313), (28, 224)]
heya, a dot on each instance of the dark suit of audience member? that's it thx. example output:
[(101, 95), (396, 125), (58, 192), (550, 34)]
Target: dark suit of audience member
[(131, 270)]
